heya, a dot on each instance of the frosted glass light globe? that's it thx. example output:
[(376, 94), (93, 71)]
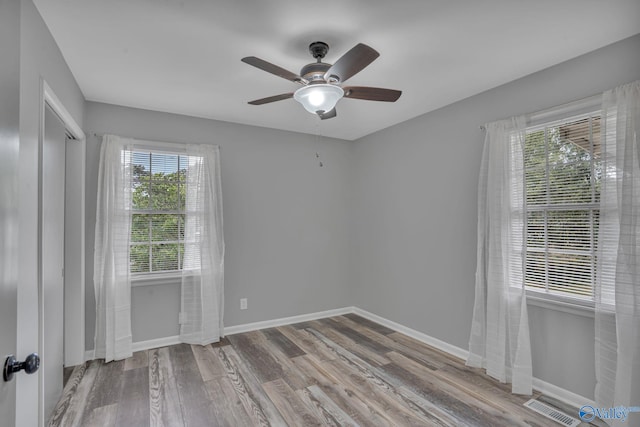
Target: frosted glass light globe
[(318, 97)]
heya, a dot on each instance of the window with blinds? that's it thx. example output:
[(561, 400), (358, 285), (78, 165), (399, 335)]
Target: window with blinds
[(158, 201), (563, 171)]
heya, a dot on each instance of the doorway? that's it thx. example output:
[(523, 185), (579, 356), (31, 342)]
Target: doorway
[(52, 201), (60, 249)]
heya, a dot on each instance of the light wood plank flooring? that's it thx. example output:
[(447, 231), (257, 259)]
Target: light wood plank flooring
[(344, 370)]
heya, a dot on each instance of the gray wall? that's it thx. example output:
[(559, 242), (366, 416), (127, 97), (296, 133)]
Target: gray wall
[(413, 226), (285, 219)]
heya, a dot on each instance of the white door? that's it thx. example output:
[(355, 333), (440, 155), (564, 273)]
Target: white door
[(52, 258), (8, 252), (9, 171)]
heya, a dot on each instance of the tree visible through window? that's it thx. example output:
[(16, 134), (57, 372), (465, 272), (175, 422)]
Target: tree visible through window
[(157, 228), (563, 173)]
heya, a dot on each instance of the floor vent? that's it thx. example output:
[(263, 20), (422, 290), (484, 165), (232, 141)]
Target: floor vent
[(552, 413)]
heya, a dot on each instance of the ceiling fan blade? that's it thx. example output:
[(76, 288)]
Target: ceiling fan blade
[(328, 115), (352, 62), (273, 69), (372, 93), (271, 99)]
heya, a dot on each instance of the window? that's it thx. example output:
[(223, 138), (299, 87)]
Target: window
[(158, 184), (563, 170), (158, 216)]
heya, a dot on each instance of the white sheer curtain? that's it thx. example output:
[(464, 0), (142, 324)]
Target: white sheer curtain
[(111, 277), (617, 292), (203, 268), (499, 338)]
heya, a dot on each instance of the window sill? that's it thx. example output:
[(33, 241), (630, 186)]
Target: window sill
[(577, 307), (156, 279)]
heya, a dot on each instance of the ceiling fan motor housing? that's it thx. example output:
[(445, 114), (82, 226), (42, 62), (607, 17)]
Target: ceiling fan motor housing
[(314, 71)]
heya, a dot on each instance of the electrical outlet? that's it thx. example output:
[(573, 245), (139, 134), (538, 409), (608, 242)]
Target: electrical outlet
[(243, 303)]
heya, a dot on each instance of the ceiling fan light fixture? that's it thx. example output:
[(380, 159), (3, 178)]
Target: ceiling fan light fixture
[(321, 82), (321, 97)]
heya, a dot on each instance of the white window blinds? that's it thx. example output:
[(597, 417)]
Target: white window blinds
[(158, 202), (563, 170)]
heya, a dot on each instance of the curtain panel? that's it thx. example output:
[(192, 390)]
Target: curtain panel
[(111, 277), (202, 299), (617, 289), (499, 340)]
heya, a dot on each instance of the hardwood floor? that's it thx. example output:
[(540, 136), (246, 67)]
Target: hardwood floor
[(344, 370)]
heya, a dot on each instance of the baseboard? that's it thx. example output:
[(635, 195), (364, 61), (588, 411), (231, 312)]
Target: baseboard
[(247, 327), (427, 339), (155, 343), (141, 345), (238, 329), (566, 396)]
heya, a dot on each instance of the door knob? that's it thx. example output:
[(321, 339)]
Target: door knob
[(11, 366)]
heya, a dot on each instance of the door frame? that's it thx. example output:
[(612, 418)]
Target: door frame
[(74, 280), (74, 233)]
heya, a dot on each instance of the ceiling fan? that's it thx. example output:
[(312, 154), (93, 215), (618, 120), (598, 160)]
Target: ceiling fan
[(321, 82)]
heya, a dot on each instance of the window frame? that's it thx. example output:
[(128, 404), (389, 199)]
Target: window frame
[(567, 302), (164, 276)]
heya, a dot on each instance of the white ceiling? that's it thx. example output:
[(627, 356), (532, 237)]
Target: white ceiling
[(184, 56)]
